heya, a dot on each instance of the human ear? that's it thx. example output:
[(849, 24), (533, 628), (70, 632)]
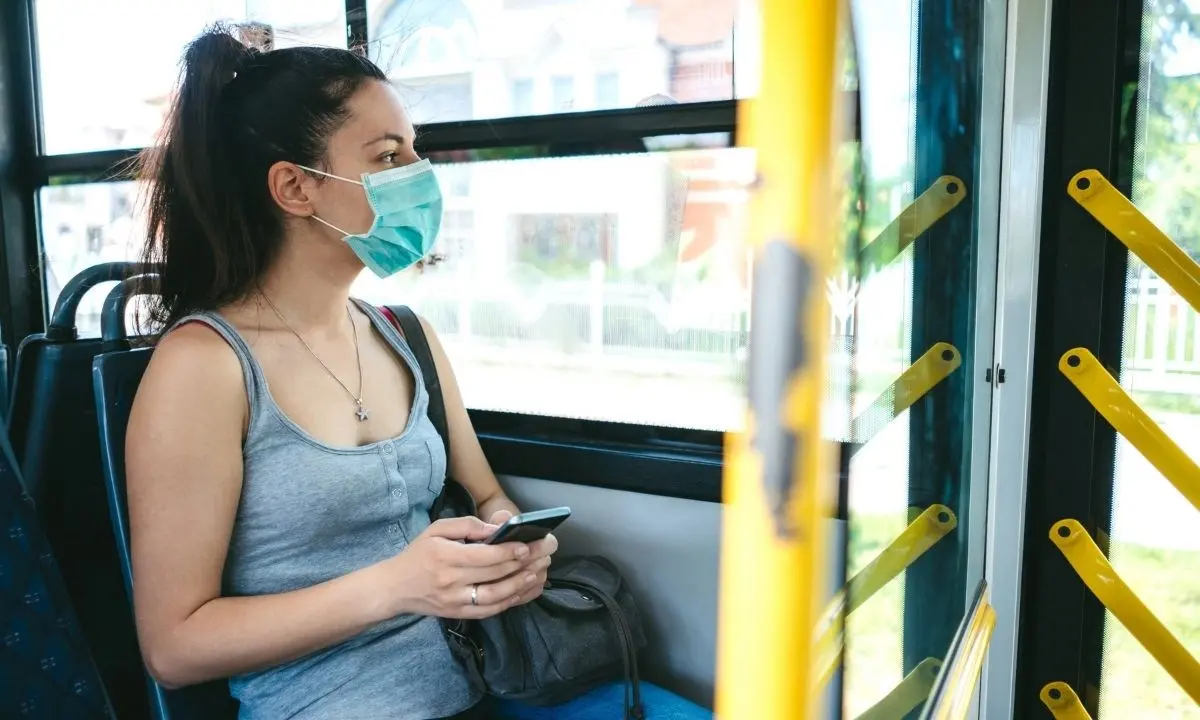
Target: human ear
[(290, 188)]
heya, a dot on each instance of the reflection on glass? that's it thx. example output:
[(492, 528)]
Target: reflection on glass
[(478, 59), (1155, 539), (106, 68)]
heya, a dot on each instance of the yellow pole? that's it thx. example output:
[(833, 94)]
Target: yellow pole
[(778, 481)]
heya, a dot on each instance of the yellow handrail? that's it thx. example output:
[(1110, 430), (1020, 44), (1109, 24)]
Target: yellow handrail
[(1062, 702), (922, 376), (1104, 393), (922, 533), (908, 695), (932, 525), (932, 205), (1122, 218), (955, 685), (779, 481), (1104, 582), (964, 675)]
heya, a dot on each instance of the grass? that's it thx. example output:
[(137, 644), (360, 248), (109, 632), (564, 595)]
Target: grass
[(1168, 402), (875, 631), (1133, 685)]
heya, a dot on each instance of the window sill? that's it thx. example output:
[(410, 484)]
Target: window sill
[(661, 463)]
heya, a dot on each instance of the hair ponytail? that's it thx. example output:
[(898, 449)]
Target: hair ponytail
[(213, 227)]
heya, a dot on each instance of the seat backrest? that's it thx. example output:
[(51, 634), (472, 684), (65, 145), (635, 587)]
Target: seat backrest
[(52, 425), (116, 377), (46, 670)]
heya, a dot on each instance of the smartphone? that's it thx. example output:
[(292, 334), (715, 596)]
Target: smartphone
[(530, 526)]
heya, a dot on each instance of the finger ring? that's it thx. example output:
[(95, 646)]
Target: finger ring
[(475, 595)]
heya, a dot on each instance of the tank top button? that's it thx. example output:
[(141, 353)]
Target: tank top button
[(397, 493), (388, 450), (393, 529)]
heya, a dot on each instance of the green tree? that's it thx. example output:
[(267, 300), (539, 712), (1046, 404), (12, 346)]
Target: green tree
[(1167, 154)]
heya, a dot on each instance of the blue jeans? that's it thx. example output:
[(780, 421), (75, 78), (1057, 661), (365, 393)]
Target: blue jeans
[(607, 703)]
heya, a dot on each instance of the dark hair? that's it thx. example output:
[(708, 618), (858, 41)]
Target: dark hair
[(213, 226)]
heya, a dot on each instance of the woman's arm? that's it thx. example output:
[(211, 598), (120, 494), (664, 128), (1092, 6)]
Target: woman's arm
[(468, 465), (184, 478)]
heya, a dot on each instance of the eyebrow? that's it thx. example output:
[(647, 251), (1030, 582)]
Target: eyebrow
[(386, 136)]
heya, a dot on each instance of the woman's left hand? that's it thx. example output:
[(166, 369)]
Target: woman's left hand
[(538, 561)]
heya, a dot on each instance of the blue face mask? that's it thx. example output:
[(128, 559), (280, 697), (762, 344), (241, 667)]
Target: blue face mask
[(408, 214)]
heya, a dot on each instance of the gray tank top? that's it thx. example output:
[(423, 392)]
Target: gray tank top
[(309, 513)]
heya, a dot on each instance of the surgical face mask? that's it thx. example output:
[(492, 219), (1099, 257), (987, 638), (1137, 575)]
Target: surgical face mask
[(408, 214)]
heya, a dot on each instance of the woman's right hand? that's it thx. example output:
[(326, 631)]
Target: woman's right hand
[(449, 572)]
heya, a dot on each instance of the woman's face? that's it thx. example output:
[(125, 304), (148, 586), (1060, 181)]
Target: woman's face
[(376, 136)]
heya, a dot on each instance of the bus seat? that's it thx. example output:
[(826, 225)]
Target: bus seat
[(46, 669), (52, 426), (116, 376)]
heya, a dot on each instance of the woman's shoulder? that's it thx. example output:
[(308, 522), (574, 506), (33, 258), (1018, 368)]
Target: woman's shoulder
[(193, 363)]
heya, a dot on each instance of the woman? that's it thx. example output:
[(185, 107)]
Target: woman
[(280, 463)]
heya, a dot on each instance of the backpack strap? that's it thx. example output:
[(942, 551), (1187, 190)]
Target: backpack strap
[(406, 321), (454, 500)]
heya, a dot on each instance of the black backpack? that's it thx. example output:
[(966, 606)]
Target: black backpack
[(584, 630)]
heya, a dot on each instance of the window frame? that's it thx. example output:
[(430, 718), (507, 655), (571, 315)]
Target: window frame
[(1094, 56), (640, 458), (646, 459), (21, 144)]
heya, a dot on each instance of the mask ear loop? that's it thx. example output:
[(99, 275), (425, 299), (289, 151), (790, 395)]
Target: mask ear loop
[(316, 217), (335, 177)]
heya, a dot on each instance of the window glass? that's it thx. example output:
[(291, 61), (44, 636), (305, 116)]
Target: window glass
[(1154, 542), (525, 57), (608, 91), (562, 93), (605, 287), (84, 225), (920, 77), (106, 69), (522, 97)]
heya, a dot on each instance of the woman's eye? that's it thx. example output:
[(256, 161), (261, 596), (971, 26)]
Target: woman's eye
[(389, 158)]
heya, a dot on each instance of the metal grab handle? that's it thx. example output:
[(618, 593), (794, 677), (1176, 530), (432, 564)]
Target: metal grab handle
[(62, 320), (922, 533), (909, 695), (1098, 574), (1062, 702), (112, 314), (922, 213), (1105, 394), (922, 376), (1122, 218)]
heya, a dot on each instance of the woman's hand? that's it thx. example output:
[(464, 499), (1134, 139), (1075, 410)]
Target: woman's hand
[(449, 572), (538, 561)]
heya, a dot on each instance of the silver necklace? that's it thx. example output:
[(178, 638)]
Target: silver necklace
[(361, 412)]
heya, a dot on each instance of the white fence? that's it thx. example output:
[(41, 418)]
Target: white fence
[(635, 329), (1162, 338)]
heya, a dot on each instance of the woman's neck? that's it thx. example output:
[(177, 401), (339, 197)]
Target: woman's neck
[(309, 282)]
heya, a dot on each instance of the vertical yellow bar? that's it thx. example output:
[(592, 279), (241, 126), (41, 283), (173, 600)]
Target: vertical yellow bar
[(777, 478)]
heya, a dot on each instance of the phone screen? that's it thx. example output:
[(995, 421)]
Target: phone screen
[(530, 527)]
